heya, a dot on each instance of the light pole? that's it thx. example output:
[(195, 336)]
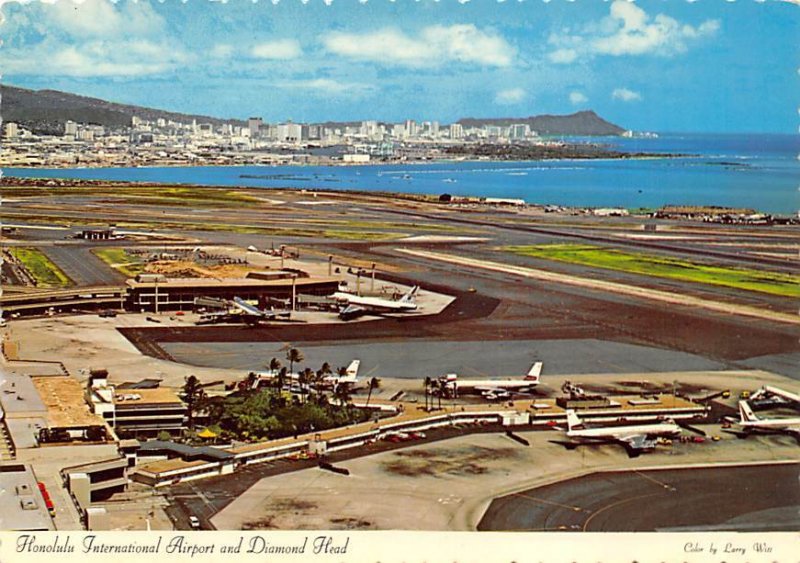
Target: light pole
[(294, 292)]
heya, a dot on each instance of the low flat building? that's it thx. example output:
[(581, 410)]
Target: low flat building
[(96, 481), (136, 412), (179, 294), (22, 504), (101, 233), (162, 463), (68, 419)]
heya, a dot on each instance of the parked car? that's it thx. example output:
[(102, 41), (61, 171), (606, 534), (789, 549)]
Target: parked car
[(194, 522)]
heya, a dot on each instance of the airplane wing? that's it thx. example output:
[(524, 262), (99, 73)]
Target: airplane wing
[(352, 311), (246, 307), (637, 443), (794, 431)]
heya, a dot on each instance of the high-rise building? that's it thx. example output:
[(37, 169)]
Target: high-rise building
[(434, 128), (70, 128), (519, 131), (456, 131), (289, 132), (11, 131), (314, 132), (369, 128), (412, 128), (254, 124)]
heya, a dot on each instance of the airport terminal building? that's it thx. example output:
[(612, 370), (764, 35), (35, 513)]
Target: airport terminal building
[(154, 293)]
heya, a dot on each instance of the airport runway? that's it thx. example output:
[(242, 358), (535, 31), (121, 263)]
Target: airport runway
[(746, 499), (81, 266), (415, 359)]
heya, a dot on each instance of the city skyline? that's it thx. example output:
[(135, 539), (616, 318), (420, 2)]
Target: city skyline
[(645, 65)]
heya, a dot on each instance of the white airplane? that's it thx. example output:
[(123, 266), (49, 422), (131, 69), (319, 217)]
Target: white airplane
[(751, 424), (492, 389), (330, 380), (350, 376), (635, 438), (769, 393), (356, 305), (239, 310)]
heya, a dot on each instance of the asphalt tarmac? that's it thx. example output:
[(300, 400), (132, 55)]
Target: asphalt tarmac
[(416, 359), (755, 498), (82, 267)]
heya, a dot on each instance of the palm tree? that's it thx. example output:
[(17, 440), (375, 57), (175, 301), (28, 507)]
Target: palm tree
[(326, 368), (294, 356), (427, 388), (373, 384), (191, 394), (281, 379), (251, 379), (304, 378), (342, 392), (274, 365)]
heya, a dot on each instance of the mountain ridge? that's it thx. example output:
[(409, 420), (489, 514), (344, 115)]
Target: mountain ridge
[(45, 112), (585, 122)]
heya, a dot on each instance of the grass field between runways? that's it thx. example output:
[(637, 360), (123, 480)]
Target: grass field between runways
[(41, 268), (775, 283), (120, 260)]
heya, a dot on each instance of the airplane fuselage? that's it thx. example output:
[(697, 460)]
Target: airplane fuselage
[(468, 385), (375, 303), (622, 432), (771, 425)]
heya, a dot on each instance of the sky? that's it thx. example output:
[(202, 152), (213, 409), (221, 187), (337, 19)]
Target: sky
[(652, 65)]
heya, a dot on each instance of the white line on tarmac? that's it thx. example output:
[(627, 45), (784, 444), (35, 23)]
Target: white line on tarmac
[(641, 292)]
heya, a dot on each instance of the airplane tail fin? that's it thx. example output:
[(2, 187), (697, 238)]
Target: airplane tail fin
[(352, 371), (535, 373), (746, 414), (409, 297), (573, 421)]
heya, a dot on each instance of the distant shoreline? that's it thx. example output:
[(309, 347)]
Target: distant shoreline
[(337, 164)]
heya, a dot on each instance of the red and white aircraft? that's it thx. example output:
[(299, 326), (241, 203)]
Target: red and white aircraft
[(491, 388), (751, 424), (635, 438)]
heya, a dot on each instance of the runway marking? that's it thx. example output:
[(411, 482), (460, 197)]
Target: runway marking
[(613, 287), (659, 483), (614, 505), (545, 501)]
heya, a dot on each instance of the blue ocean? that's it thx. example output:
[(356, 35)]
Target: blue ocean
[(755, 171)]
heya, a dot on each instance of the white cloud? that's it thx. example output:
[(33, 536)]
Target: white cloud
[(281, 49), (577, 98), (102, 18), (625, 95), (90, 38), (221, 51), (434, 45), (125, 58), (563, 56), (629, 30), (510, 96), (327, 86)]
